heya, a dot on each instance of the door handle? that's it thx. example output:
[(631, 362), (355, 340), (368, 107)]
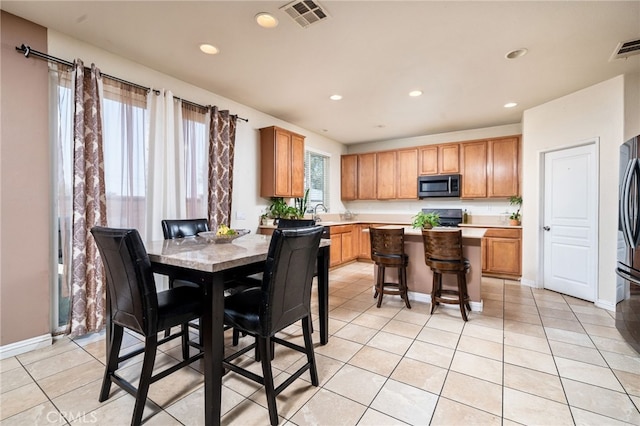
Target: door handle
[(546, 228)]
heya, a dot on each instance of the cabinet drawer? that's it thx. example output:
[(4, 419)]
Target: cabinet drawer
[(503, 233), (340, 229)]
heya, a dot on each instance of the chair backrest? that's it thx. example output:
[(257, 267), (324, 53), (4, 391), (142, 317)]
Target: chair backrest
[(132, 289), (295, 223), (442, 245), (387, 245), (180, 228), (287, 277)]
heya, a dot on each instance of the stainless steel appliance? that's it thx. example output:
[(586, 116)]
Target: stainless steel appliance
[(628, 310), (448, 217), (439, 186)]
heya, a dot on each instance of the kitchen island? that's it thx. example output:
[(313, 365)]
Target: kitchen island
[(419, 275)]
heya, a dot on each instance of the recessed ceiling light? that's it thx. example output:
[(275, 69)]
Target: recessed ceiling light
[(209, 49), (510, 104), (415, 93), (266, 20), (516, 53), (335, 97)]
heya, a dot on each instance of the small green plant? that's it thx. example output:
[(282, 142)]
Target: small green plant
[(426, 220), (278, 208), (515, 200), (301, 204)]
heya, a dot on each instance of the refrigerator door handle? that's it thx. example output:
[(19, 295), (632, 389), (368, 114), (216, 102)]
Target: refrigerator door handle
[(628, 273), (630, 230)]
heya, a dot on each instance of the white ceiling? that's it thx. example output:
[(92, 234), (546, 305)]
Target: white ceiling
[(371, 52)]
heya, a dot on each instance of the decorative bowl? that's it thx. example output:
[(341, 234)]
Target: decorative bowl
[(211, 236)]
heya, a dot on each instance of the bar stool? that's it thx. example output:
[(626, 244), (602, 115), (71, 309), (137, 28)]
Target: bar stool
[(387, 251), (443, 254)]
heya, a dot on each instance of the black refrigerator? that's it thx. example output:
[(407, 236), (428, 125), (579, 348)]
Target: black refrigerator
[(628, 268)]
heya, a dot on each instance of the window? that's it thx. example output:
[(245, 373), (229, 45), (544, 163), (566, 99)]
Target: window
[(194, 126), (316, 178)]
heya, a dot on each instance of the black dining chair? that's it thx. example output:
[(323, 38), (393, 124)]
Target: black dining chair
[(283, 299), (295, 223), (133, 303)]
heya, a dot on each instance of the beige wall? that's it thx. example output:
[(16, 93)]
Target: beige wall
[(25, 200), (594, 112)]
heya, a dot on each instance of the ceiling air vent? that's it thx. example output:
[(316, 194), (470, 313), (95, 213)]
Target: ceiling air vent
[(305, 12), (625, 49)]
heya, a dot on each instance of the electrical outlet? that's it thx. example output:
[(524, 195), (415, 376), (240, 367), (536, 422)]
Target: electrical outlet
[(241, 216)]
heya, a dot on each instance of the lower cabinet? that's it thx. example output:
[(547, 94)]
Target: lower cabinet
[(344, 244), (502, 252)]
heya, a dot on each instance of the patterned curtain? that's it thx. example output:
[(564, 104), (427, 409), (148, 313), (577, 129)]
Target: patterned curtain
[(89, 204), (222, 138)]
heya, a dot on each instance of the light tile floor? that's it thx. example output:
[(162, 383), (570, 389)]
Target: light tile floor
[(531, 357)]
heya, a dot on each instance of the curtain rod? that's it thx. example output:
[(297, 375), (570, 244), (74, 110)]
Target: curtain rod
[(28, 51)]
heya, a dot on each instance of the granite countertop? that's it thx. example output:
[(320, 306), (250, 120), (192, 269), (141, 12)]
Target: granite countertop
[(405, 220)]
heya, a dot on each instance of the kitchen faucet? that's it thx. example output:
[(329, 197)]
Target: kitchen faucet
[(315, 212)]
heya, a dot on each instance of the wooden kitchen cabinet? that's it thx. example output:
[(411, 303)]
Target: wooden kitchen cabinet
[(502, 252), (367, 170), (473, 168), (349, 177), (282, 163), (502, 167), (344, 244), (386, 175), (407, 172), (490, 168), (440, 159)]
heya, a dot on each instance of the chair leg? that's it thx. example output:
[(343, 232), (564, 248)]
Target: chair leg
[(150, 347), (461, 295), (185, 341), (265, 349), (376, 285), (113, 351), (308, 344), (404, 289), (435, 290), (380, 284)]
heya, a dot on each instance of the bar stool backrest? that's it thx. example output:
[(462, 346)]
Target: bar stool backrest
[(442, 247), (387, 245)]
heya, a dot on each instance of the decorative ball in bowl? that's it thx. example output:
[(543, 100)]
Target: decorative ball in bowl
[(218, 238)]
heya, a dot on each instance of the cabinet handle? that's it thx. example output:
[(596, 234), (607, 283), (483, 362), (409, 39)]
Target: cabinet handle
[(546, 228)]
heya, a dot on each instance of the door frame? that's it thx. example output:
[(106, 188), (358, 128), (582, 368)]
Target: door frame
[(595, 141)]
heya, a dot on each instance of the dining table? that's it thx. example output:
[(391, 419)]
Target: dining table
[(209, 264)]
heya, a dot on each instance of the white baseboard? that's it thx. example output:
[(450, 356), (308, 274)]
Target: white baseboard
[(605, 304), (426, 298), (530, 283), (23, 346)]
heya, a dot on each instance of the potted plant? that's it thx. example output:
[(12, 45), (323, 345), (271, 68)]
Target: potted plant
[(278, 209), (426, 220), (301, 205), (514, 219)]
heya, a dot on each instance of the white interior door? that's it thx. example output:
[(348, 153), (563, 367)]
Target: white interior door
[(570, 221)]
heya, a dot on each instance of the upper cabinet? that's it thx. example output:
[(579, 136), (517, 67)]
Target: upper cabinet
[(407, 172), (386, 175), (367, 172), (473, 168), (349, 177), (490, 168), (502, 167), (282, 163), (440, 159)]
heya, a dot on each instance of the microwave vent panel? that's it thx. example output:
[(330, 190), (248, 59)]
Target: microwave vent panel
[(305, 12), (625, 49)]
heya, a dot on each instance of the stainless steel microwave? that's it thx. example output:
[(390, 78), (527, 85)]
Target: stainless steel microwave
[(439, 186)]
